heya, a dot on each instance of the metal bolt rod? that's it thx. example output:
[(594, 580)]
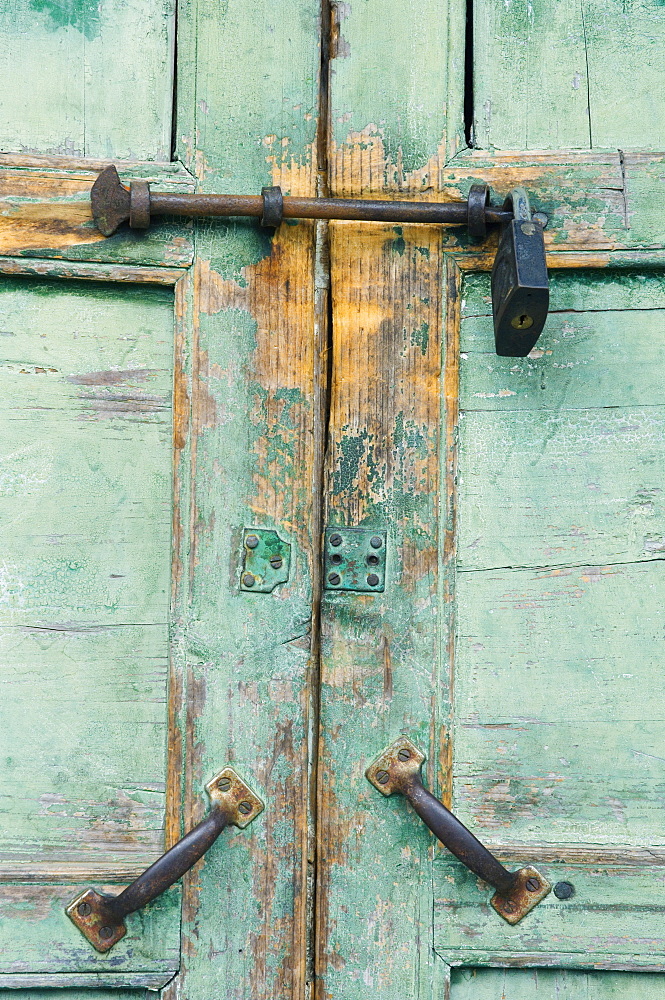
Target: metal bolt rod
[(455, 836), (113, 204), (350, 209)]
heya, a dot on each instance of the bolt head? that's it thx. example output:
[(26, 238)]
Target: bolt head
[(372, 579), (532, 884), (336, 558), (382, 777), (334, 578), (376, 541), (335, 540), (404, 754), (84, 909), (248, 580), (276, 562), (245, 808), (564, 890), (224, 784), (105, 933), (251, 541)]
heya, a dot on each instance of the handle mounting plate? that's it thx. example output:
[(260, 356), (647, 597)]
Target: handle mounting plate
[(530, 887), (228, 791), (388, 772)]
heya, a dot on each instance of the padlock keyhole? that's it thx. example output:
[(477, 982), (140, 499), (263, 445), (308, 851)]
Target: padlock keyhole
[(522, 322)]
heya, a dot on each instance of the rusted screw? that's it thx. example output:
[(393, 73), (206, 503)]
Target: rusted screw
[(532, 884), (245, 808), (248, 580), (84, 909), (105, 933), (376, 541), (373, 560), (276, 562), (251, 541), (335, 540), (334, 578), (564, 890), (509, 907), (224, 784), (382, 777), (372, 579), (336, 558), (404, 755)]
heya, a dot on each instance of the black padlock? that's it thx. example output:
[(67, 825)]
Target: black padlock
[(520, 286)]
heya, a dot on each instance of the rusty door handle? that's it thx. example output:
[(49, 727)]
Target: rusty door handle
[(101, 918), (397, 769)]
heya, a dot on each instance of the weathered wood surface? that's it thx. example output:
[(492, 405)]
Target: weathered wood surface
[(558, 735), (248, 117), (568, 74), (87, 77), (552, 984), (85, 510), (45, 212), (48, 943)]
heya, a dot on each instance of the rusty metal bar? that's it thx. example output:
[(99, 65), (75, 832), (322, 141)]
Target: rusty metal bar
[(113, 204)]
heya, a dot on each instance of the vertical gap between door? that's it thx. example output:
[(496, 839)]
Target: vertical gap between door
[(174, 85), (322, 374), (469, 126)]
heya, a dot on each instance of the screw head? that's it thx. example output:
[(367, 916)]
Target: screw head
[(334, 578), (276, 562), (84, 909), (336, 558), (532, 884), (105, 933), (382, 777), (372, 560), (251, 541), (564, 890), (404, 754), (541, 217), (528, 228), (248, 580), (224, 784), (372, 579), (335, 540), (509, 907), (245, 808), (376, 541)]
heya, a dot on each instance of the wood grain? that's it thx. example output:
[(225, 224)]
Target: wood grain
[(567, 75), (87, 78)]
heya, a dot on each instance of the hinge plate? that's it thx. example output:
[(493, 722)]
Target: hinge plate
[(266, 560), (355, 559)]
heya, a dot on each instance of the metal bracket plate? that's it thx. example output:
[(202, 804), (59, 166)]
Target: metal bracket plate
[(530, 887), (235, 797), (355, 559), (266, 560)]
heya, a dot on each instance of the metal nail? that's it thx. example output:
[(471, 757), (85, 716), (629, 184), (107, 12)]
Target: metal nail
[(105, 933), (334, 578), (251, 541), (248, 580), (376, 541), (564, 890), (372, 579)]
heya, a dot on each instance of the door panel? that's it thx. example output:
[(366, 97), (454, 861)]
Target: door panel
[(552, 984), (568, 75), (87, 77), (86, 473)]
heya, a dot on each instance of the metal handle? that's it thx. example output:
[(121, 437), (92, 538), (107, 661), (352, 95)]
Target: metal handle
[(101, 918), (397, 769)]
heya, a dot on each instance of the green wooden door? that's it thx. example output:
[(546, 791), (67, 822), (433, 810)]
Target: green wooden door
[(165, 393)]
